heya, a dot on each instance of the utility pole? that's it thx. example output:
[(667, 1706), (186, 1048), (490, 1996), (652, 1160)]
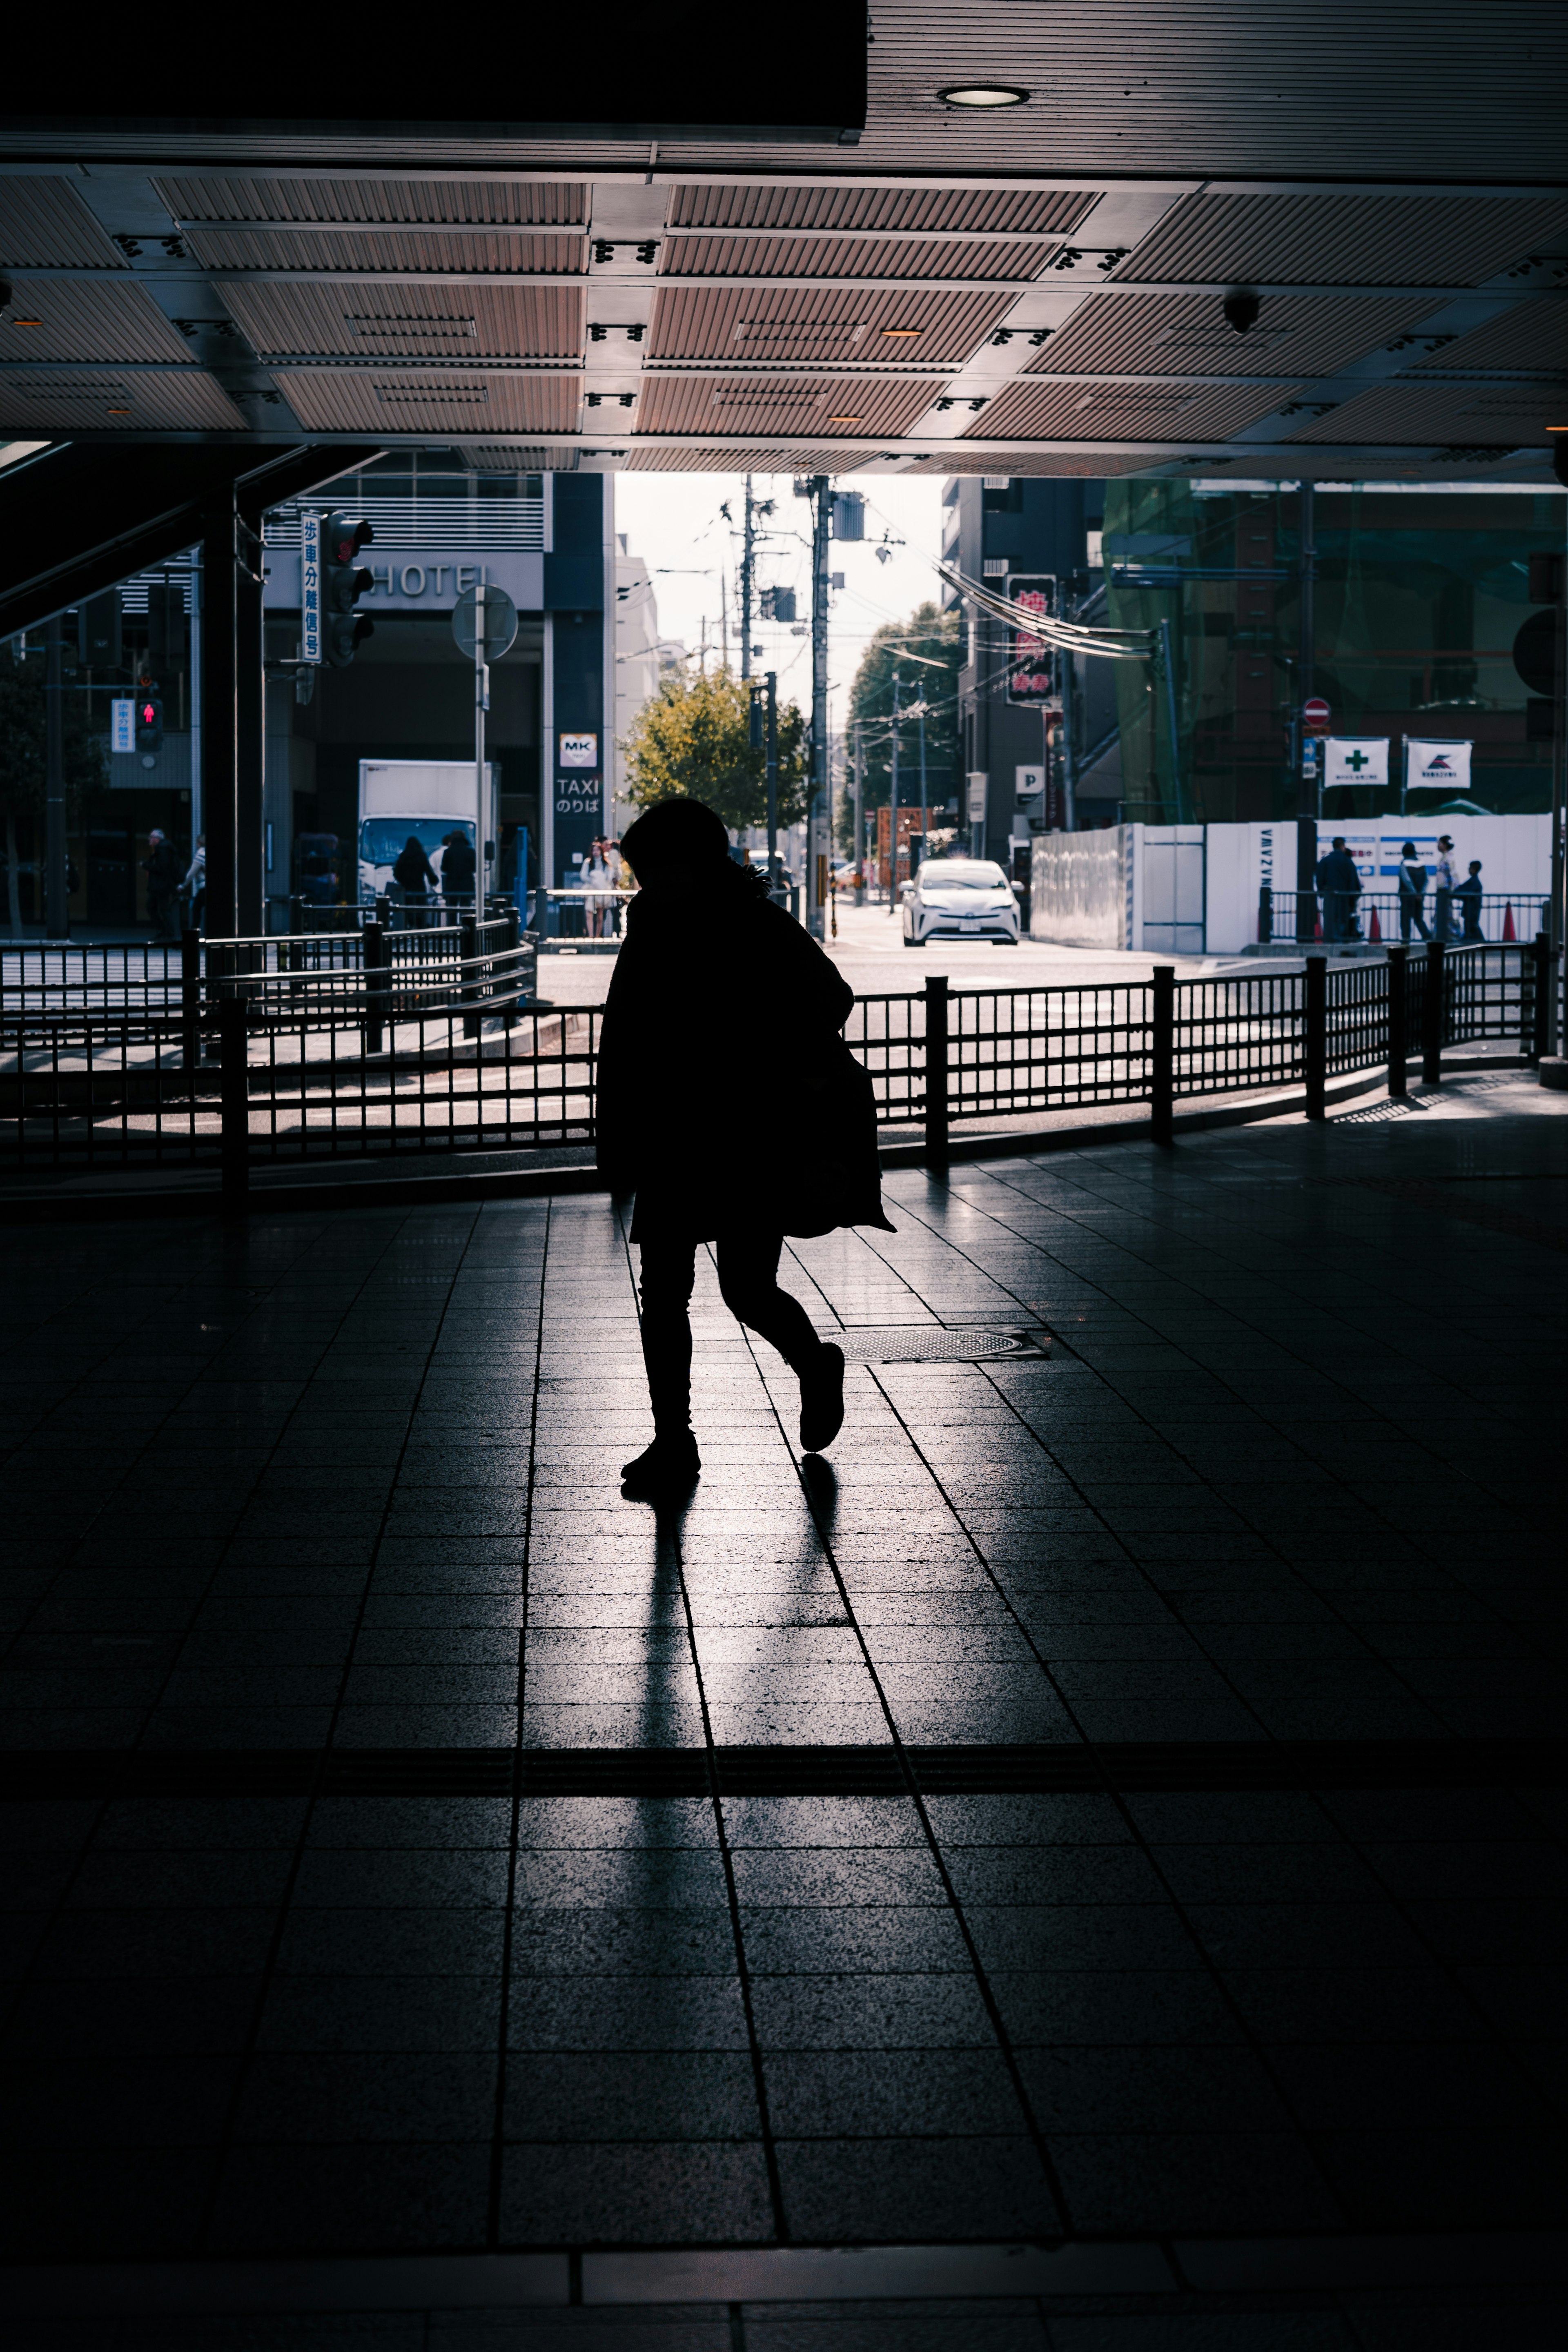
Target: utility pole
[(822, 515), (859, 816), (771, 755), (894, 813), (57, 924), (924, 820), (747, 562), (1307, 786)]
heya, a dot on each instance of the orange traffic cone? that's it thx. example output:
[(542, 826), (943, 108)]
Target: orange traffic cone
[(1374, 930), (1509, 934)]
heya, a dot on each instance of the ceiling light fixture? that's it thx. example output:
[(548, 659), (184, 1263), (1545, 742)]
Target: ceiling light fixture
[(982, 93)]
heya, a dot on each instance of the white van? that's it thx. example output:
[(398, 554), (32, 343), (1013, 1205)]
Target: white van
[(426, 798)]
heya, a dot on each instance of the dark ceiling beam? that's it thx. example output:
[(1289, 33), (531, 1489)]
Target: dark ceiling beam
[(104, 512)]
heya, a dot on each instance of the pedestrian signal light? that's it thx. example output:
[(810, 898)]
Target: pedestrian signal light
[(778, 603), (343, 581), (149, 721)]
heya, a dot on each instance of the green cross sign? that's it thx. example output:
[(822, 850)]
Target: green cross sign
[(1357, 760)]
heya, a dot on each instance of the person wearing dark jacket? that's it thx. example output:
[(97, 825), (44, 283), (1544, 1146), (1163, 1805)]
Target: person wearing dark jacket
[(1412, 894), (458, 868), (712, 980), (162, 868), (415, 876), (1340, 885)]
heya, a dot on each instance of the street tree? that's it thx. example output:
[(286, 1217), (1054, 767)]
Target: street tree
[(907, 649), (24, 768), (692, 741)]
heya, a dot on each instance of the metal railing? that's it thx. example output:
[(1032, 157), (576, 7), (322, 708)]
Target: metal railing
[(1392, 917), (371, 1043)]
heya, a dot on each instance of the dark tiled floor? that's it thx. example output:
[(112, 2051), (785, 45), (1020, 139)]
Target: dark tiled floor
[(1292, 1474)]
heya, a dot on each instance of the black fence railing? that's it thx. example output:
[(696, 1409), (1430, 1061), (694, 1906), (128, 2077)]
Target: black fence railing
[(376, 1044)]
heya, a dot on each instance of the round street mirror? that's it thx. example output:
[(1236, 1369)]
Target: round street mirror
[(500, 622)]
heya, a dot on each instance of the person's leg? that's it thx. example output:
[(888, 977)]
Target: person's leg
[(748, 1284), (667, 1270)]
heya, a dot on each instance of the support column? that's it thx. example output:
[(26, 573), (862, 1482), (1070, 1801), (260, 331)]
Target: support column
[(250, 734), (55, 923), (1306, 787), (219, 730)]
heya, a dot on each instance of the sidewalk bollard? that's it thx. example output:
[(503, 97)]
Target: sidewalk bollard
[(1162, 1053), (473, 1022), (1538, 997), (190, 999), (375, 980), (234, 1096), (1315, 1036), (1434, 1006), (936, 1004), (1398, 1018)]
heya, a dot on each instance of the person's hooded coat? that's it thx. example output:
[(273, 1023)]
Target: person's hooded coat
[(726, 1095)]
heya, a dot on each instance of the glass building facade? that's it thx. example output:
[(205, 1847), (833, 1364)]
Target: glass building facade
[(1420, 595)]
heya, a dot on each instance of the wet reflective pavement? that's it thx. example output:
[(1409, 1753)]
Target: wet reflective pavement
[(1113, 1803)]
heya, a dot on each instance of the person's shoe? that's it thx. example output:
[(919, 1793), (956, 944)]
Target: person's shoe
[(822, 1399), (669, 1466)]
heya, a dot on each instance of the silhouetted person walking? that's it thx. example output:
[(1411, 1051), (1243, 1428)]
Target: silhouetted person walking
[(712, 984)]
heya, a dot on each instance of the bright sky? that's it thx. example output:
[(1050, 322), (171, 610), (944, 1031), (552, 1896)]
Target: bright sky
[(672, 521)]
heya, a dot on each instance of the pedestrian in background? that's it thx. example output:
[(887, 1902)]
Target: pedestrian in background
[(195, 888), (457, 868), (1446, 881), (1469, 892), (713, 980), (597, 887), (162, 868), (1340, 883), (1412, 893), (415, 877)]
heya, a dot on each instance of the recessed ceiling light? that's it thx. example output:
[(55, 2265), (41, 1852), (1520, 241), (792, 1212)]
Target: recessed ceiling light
[(903, 331), (982, 93), (844, 420)]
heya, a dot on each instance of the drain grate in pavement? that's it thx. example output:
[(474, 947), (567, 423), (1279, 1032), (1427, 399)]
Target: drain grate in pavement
[(1057, 1768), (928, 1343)]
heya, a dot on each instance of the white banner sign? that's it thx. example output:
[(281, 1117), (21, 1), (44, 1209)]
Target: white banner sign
[(122, 723), (310, 585), (976, 780), (1355, 760), (1437, 767)]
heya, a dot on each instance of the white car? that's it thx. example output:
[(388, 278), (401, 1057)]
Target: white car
[(959, 898)]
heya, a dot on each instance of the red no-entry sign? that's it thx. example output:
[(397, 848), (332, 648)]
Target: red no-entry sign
[(1315, 714)]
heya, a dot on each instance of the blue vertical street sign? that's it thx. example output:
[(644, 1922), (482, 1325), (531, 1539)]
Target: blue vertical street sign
[(310, 585), (122, 723)]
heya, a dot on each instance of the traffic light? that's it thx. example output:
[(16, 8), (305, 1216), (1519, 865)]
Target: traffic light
[(342, 581), (778, 603), (149, 721)]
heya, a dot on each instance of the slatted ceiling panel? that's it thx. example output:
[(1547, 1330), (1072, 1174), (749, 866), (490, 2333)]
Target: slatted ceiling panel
[(845, 257), (97, 400), (495, 251), (44, 224), (1349, 240), (374, 319), (733, 322), (1179, 334), (396, 399), (1035, 210), (1120, 412), (812, 458), (1534, 336), (1511, 416), (695, 404), (88, 319), (497, 458), (458, 203), (1088, 465)]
